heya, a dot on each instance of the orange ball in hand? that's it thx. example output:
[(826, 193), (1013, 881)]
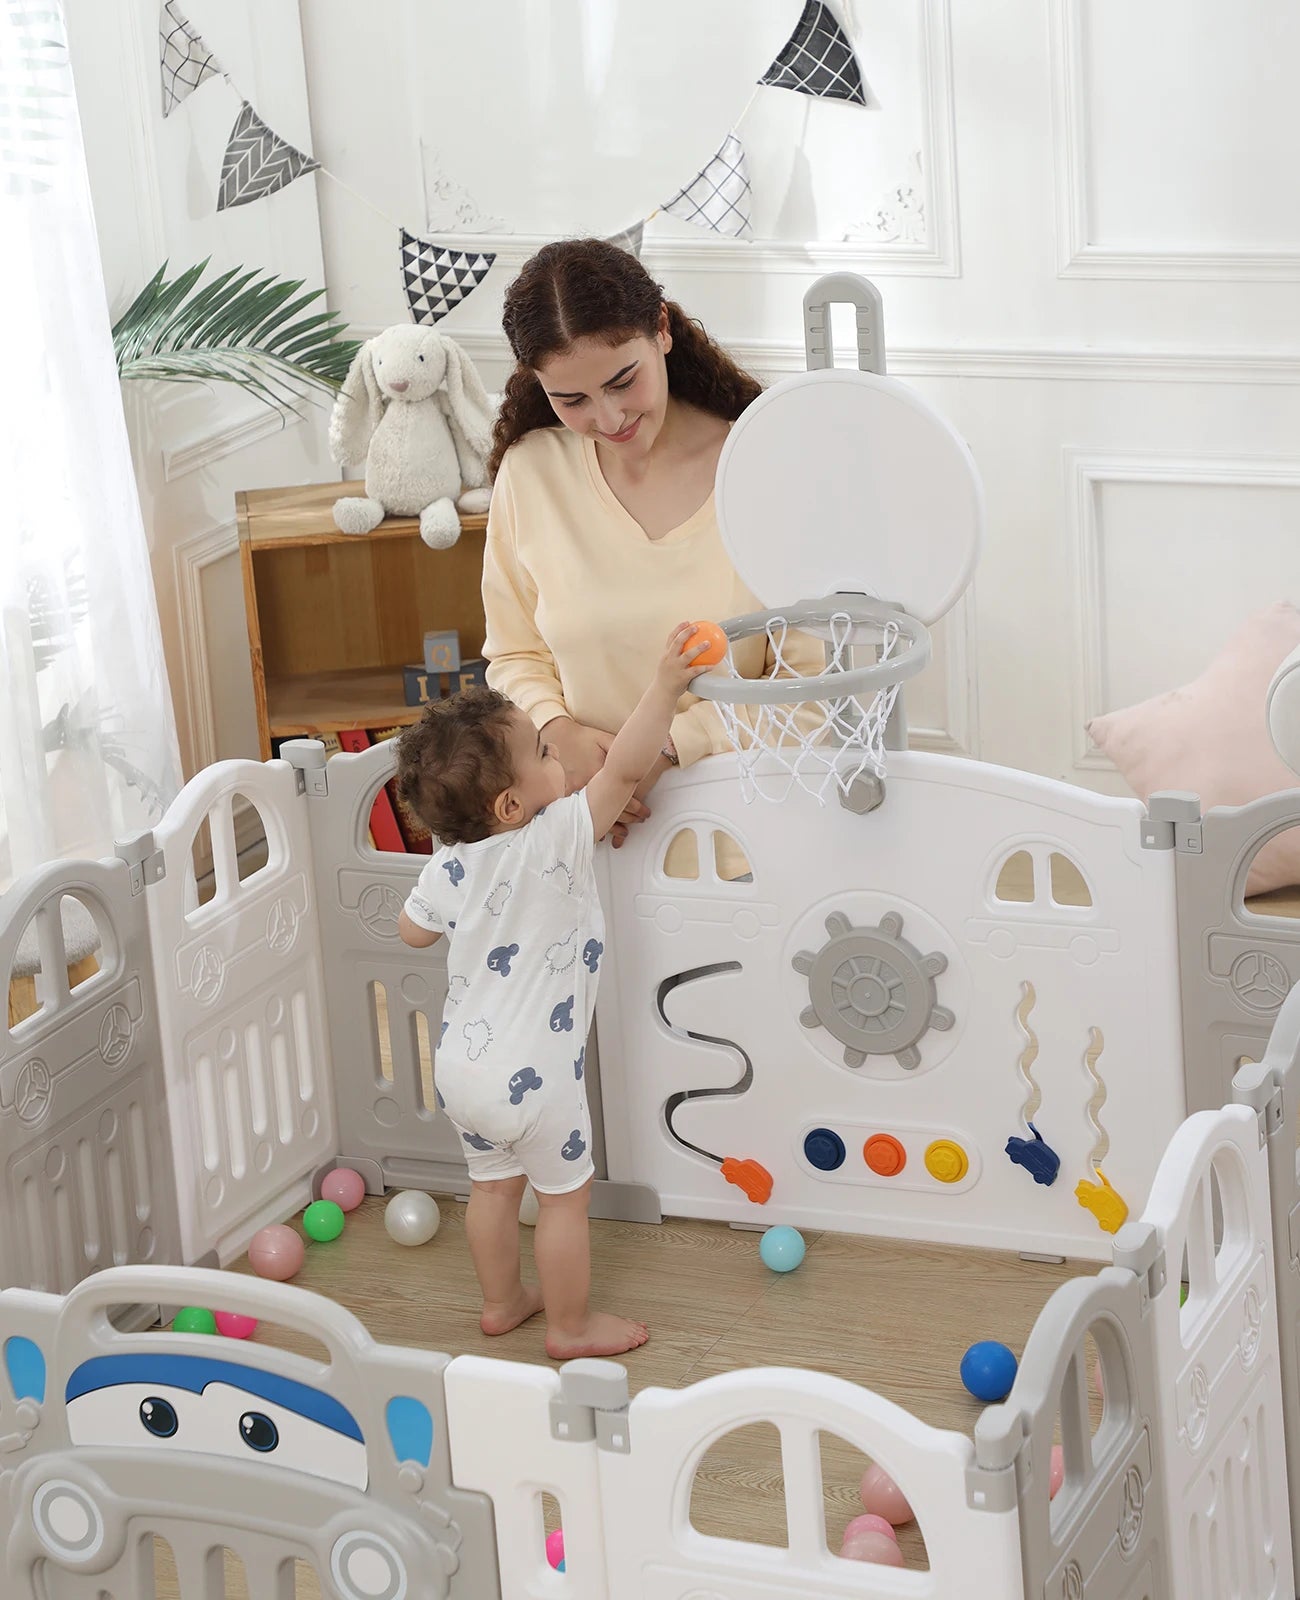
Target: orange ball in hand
[(712, 637)]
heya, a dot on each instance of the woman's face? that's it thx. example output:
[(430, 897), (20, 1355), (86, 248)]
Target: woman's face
[(616, 393)]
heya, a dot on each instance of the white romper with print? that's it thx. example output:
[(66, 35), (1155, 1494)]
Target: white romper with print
[(525, 933)]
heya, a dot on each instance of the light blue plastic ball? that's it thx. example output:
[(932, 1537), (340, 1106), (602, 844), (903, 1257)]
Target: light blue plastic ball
[(988, 1369), (782, 1249)]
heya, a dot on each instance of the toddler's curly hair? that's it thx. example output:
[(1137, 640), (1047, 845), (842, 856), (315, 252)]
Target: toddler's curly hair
[(454, 762)]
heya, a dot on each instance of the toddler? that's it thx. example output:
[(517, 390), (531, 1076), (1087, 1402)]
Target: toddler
[(513, 889)]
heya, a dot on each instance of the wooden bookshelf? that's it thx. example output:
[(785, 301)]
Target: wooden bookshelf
[(334, 617)]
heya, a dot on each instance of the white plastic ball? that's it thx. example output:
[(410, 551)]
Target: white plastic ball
[(528, 1208), (412, 1217)]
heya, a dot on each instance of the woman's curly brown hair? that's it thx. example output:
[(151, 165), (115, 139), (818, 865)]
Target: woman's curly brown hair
[(454, 762), (590, 289)]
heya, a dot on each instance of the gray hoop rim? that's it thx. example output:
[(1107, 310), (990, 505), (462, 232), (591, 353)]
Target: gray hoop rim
[(813, 615)]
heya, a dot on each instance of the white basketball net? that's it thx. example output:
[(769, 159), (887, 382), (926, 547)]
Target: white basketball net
[(821, 744)]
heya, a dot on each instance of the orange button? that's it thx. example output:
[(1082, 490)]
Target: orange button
[(883, 1154)]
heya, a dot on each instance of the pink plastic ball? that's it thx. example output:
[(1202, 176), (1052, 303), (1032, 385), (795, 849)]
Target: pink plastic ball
[(347, 1189), (234, 1326), (882, 1496), (1055, 1472), (870, 1523), (875, 1547), (276, 1252), (555, 1547)]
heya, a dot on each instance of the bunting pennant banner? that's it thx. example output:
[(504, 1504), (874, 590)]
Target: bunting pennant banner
[(183, 58), (257, 162), (629, 239), (437, 278), (719, 197), (818, 59)]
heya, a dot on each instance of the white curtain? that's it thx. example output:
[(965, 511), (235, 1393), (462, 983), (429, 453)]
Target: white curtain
[(87, 736)]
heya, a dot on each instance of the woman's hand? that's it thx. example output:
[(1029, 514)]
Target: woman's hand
[(581, 750), (636, 809)]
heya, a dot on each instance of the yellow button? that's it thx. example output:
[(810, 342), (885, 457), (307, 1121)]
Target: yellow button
[(946, 1160)]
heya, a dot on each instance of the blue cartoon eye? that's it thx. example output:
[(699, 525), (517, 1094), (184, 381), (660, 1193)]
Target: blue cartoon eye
[(159, 1417), (258, 1432)]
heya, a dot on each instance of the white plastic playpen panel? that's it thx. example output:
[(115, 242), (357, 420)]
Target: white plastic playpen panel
[(1073, 1006), (87, 1161), (1217, 1361), (1105, 1532), (629, 1511), (1272, 1089), (116, 1439), (242, 1004), (388, 1115)]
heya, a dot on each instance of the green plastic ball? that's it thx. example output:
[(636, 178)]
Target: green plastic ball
[(194, 1319), (323, 1220)]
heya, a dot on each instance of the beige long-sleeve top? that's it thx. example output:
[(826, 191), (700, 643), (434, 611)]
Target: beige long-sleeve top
[(579, 601)]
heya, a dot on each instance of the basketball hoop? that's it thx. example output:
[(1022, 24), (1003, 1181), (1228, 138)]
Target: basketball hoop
[(820, 732), (842, 482)]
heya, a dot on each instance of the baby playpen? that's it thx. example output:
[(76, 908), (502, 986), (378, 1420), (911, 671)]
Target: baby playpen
[(255, 1019)]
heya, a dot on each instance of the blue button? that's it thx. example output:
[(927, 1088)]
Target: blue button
[(824, 1149)]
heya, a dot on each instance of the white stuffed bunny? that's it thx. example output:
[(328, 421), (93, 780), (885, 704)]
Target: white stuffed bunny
[(413, 399)]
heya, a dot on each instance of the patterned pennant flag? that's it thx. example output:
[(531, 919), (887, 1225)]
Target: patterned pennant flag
[(629, 239), (818, 59), (184, 59), (257, 162), (437, 278), (720, 196)]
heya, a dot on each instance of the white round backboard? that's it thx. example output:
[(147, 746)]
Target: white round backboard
[(564, 117), (843, 481)]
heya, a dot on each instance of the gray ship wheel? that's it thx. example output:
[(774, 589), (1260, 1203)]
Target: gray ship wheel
[(873, 990)]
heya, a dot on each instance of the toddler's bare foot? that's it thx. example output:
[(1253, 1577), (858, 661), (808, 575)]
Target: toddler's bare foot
[(603, 1334), (501, 1317)]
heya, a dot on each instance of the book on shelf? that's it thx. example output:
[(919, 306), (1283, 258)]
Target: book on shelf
[(384, 831), (418, 839)]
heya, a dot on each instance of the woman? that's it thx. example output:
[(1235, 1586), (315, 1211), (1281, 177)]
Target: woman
[(602, 531)]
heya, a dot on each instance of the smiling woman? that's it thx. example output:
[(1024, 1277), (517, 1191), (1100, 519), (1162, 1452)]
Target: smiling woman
[(602, 531)]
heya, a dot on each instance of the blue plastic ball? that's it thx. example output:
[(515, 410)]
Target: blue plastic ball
[(988, 1369), (782, 1249)]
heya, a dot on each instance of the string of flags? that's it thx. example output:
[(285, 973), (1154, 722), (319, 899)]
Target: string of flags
[(817, 60)]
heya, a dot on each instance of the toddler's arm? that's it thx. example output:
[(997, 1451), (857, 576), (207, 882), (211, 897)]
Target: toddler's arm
[(413, 934), (641, 738)]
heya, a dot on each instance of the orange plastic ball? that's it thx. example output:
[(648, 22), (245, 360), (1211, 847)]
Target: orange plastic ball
[(712, 637)]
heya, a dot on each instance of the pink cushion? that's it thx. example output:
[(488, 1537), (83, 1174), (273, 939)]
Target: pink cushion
[(1211, 737)]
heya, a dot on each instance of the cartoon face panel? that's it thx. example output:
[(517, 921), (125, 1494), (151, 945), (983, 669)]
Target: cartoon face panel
[(215, 1408)]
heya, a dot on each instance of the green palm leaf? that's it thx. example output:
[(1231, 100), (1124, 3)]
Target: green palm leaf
[(243, 327)]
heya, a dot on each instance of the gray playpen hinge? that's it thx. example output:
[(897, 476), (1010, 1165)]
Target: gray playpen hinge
[(1173, 822), (841, 288), (308, 757), (1002, 1462), (1137, 1249), (593, 1404), (146, 862), (1260, 1089)]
